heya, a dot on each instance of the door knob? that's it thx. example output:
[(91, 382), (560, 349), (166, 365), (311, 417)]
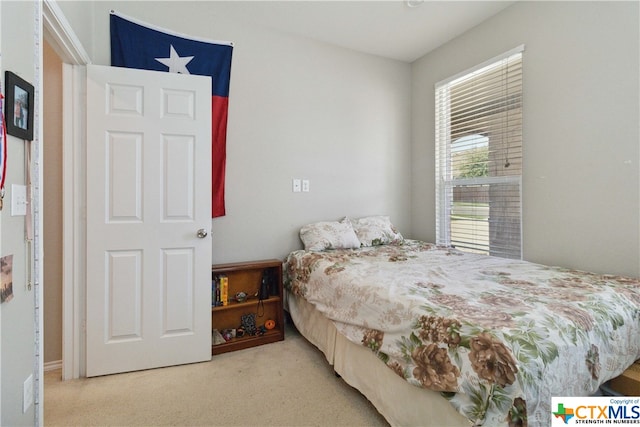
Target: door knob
[(202, 233)]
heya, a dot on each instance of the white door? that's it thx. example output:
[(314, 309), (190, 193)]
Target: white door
[(148, 195)]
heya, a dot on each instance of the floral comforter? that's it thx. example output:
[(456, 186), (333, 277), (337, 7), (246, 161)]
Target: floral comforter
[(497, 337)]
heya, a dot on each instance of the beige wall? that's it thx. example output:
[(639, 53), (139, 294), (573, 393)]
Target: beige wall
[(297, 109), (343, 120), (581, 179), (17, 332), (52, 204)]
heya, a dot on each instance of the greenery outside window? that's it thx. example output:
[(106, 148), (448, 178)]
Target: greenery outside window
[(479, 158)]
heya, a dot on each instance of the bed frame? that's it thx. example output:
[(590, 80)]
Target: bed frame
[(399, 402)]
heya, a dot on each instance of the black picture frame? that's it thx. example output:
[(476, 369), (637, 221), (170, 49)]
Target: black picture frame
[(19, 106)]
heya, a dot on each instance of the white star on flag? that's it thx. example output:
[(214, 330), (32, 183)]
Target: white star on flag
[(176, 63)]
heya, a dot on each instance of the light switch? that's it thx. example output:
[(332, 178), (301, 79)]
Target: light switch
[(18, 200), (305, 185), (296, 185)]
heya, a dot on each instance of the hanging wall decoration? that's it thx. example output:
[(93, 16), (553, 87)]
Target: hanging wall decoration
[(3, 149), (19, 108), (137, 44), (6, 278)]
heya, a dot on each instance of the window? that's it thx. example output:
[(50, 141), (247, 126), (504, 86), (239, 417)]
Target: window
[(479, 158)]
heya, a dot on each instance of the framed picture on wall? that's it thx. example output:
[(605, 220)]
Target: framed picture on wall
[(19, 108)]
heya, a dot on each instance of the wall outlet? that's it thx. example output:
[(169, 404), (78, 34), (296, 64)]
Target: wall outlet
[(27, 394), (305, 185)]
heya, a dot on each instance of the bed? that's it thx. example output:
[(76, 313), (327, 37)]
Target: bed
[(434, 336)]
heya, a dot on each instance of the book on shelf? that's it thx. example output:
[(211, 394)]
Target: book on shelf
[(215, 291), (224, 289), (216, 298)]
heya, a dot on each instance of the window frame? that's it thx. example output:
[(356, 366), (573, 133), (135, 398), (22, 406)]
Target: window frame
[(445, 182)]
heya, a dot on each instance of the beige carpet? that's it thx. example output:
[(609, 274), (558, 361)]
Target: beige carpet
[(288, 383)]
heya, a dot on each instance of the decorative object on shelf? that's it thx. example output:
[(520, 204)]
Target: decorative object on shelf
[(270, 324), (227, 335), (19, 107), (241, 297), (249, 323), (264, 287), (217, 337)]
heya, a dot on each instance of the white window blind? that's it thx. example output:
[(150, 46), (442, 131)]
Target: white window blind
[(479, 158)]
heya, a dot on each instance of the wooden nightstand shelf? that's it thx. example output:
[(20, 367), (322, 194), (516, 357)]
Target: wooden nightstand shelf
[(247, 277)]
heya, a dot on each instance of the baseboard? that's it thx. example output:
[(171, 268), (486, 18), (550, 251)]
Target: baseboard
[(52, 366)]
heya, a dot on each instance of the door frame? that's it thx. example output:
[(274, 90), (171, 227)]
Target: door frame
[(64, 41)]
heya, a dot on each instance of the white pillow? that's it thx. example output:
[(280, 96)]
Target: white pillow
[(323, 235), (376, 230)]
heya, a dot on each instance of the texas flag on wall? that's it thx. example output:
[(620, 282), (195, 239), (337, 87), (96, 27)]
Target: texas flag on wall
[(135, 44)]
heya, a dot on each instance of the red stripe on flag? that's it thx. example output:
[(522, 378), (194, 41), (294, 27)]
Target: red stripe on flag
[(219, 108)]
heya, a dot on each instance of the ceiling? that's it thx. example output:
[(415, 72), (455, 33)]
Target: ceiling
[(388, 28)]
